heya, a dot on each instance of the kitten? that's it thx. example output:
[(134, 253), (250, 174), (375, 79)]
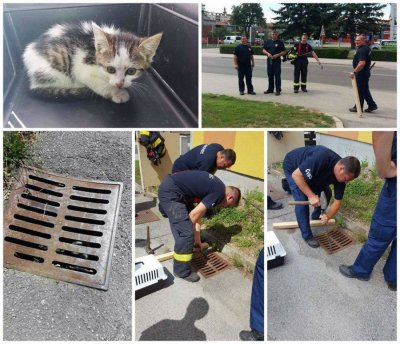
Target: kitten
[(74, 60)]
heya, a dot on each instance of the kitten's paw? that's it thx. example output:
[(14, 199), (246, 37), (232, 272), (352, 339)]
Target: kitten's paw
[(120, 96)]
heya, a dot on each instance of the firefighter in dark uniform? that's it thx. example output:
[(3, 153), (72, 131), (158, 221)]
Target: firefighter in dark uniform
[(243, 60), (382, 232), (362, 73), (309, 170), (302, 49), (206, 157), (176, 194), (274, 48)]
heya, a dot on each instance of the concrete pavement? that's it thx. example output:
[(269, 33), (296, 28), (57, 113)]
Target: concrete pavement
[(330, 99), (308, 299)]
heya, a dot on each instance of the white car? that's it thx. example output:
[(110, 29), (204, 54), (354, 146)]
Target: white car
[(232, 39)]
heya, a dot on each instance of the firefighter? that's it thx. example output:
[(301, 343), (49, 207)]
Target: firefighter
[(206, 157), (243, 60), (274, 48), (309, 170), (176, 194), (302, 49), (362, 73), (155, 145), (382, 232)]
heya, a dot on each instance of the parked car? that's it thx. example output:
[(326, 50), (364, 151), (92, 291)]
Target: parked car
[(315, 43), (384, 43), (232, 39)]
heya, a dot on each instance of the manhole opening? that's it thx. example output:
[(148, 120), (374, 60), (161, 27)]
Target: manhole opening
[(209, 264), (334, 240), (62, 228)]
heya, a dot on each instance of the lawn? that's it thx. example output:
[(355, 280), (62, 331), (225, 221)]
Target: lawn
[(230, 112)]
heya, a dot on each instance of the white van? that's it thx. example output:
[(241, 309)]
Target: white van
[(232, 39)]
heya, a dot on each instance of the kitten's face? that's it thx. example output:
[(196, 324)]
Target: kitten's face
[(122, 57)]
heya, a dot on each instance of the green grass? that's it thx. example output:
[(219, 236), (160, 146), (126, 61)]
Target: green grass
[(138, 179), (230, 112)]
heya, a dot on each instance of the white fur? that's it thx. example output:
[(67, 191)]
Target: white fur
[(56, 31)]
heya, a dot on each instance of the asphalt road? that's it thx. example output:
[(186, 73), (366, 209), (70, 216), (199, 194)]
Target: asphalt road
[(38, 308), (331, 74)]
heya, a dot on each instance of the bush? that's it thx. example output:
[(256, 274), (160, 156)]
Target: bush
[(384, 55), (229, 48), (332, 53)]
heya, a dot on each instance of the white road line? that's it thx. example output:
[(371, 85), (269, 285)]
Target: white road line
[(19, 121)]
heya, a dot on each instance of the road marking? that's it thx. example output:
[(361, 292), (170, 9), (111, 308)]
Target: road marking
[(18, 120)]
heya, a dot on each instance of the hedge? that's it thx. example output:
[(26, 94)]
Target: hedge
[(332, 53), (384, 55)]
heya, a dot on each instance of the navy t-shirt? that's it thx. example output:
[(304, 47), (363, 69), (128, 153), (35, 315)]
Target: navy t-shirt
[(201, 158), (200, 186), (316, 163), (243, 53), (363, 54), (274, 47)]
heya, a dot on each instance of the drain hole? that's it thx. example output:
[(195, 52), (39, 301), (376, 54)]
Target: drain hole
[(74, 267), (100, 191), (45, 191), (81, 231), (29, 231), (84, 220), (77, 255), (36, 222), (47, 181), (40, 200), (26, 243), (36, 210), (80, 242), (90, 200), (87, 210), (29, 257)]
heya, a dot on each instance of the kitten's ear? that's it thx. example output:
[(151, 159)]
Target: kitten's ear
[(102, 40), (148, 46)]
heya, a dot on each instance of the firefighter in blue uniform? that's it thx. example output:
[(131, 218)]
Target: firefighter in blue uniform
[(176, 194), (206, 157), (362, 73), (274, 48), (257, 304), (309, 170), (243, 60), (382, 232), (302, 49)]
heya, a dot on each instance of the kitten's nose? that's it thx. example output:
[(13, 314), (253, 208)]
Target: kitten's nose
[(120, 84)]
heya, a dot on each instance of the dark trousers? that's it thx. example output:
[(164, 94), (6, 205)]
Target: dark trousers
[(173, 202), (245, 70), (274, 74), (364, 93), (257, 296), (300, 69), (382, 233)]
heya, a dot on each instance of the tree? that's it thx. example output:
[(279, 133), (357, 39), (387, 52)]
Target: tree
[(247, 15), (359, 19), (294, 19)]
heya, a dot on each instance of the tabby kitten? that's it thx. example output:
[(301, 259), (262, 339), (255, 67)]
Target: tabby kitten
[(74, 60)]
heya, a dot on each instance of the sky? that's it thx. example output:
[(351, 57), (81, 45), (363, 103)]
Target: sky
[(217, 6)]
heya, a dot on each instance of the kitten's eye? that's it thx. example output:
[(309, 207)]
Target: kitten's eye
[(111, 70), (131, 71)]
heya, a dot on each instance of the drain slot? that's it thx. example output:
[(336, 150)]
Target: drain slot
[(77, 254), (34, 221), (89, 199), (29, 231), (40, 200), (26, 243), (45, 191), (100, 191), (84, 220), (46, 181), (87, 210), (28, 257), (36, 210), (74, 267), (79, 242), (81, 231)]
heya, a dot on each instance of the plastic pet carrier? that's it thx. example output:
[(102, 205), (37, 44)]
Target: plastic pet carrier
[(275, 251), (148, 271), (167, 98)]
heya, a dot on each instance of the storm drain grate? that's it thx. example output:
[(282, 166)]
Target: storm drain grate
[(210, 264), (145, 216), (62, 228), (334, 240)]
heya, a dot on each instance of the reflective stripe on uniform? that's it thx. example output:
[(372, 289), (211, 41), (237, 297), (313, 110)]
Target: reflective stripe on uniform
[(296, 84), (303, 83), (183, 257)]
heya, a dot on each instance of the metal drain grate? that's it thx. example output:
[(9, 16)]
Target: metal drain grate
[(62, 228), (209, 265), (334, 240), (145, 216)]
